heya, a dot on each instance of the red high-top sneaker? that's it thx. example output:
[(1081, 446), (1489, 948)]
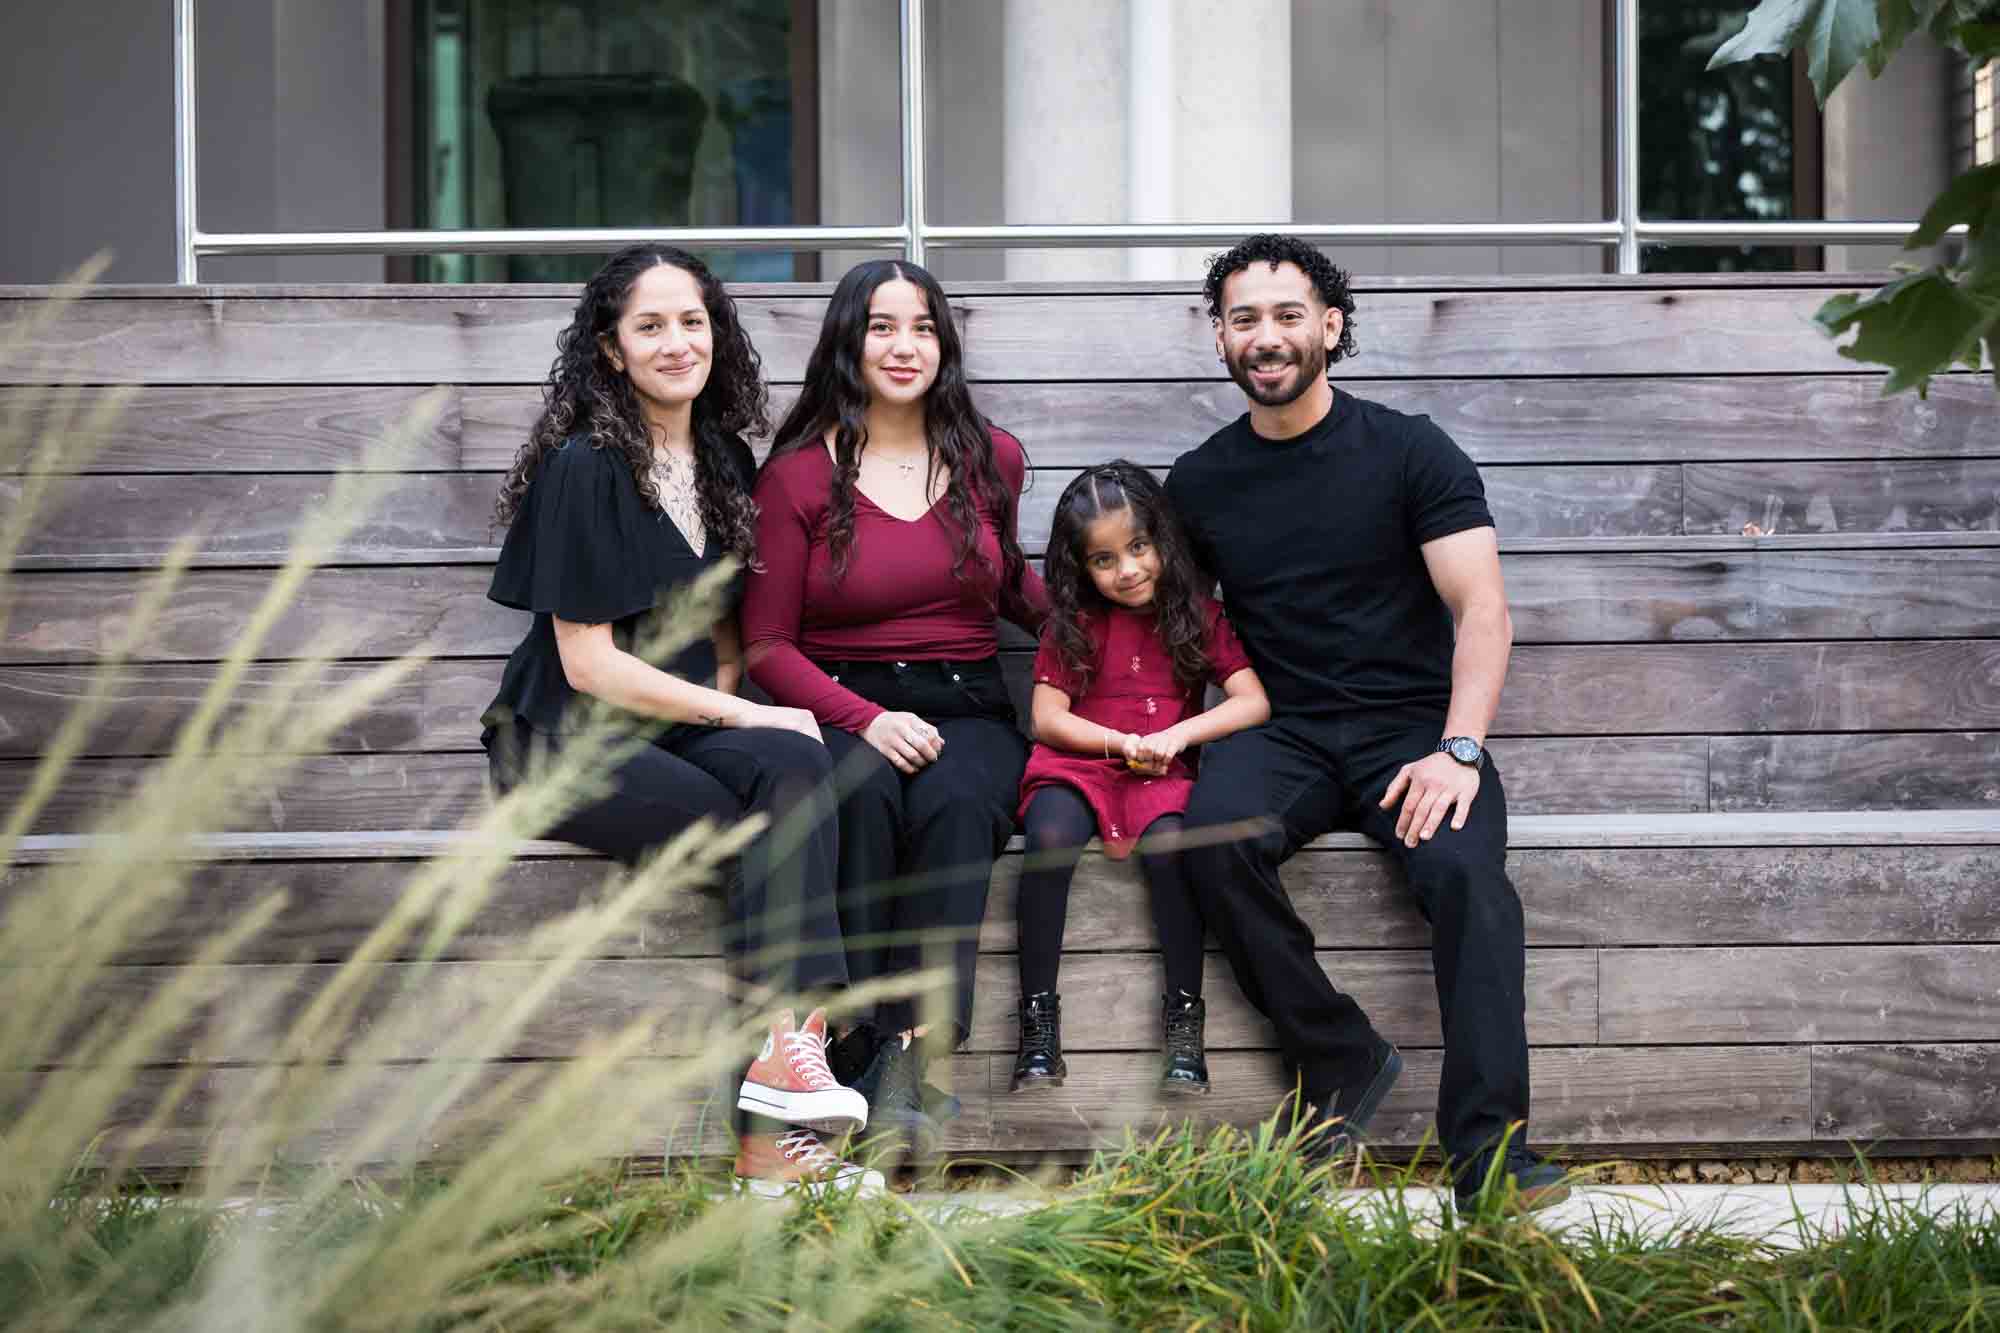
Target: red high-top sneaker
[(789, 1080), (771, 1165)]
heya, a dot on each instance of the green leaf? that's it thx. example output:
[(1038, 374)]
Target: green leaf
[(1899, 19), (1917, 326), (1836, 35), (1970, 199), (1979, 41)]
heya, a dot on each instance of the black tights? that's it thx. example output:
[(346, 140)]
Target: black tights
[(1059, 822)]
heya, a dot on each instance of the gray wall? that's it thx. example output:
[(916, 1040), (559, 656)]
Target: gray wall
[(290, 98)]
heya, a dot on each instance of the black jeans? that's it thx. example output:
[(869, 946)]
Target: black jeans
[(1313, 776), (917, 852), (782, 933)]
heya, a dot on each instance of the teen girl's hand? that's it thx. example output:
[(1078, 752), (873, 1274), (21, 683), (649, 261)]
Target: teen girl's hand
[(905, 740), (780, 719)]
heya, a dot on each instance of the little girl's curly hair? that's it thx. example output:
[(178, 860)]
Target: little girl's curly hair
[(1178, 608)]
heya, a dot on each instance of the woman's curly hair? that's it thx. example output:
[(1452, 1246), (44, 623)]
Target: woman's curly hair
[(585, 394), (958, 439), (1180, 616), (1275, 248)]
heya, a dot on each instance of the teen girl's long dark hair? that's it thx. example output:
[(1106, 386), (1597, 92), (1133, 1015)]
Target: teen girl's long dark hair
[(585, 393), (956, 436), (1179, 614)]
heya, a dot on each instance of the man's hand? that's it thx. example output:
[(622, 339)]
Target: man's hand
[(1436, 785)]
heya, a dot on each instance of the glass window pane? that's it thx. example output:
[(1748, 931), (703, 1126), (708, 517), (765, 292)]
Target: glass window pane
[(1714, 145), (1266, 112)]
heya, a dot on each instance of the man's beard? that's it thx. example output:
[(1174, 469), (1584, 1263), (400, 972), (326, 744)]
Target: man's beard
[(1311, 366)]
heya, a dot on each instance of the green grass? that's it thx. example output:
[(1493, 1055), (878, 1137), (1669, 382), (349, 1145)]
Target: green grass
[(1223, 1231)]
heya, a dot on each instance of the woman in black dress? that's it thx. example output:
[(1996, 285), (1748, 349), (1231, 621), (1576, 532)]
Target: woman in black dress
[(634, 480)]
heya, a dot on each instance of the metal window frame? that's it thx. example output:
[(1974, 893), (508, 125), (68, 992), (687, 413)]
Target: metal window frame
[(915, 235)]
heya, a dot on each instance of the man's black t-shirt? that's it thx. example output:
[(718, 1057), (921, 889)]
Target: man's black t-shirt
[(1315, 540)]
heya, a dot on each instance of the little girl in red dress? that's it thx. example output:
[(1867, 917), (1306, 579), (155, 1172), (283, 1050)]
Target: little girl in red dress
[(1130, 645)]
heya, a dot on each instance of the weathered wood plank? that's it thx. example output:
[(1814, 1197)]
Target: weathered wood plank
[(1568, 598), (241, 1012), (1750, 687), (1946, 495), (1875, 992), (250, 428), (440, 791), (1932, 770), (249, 519), (441, 518), (1665, 419), (1580, 1096), (1111, 1001), (673, 1117), (1754, 594), (470, 340), (1865, 1093), (1575, 690), (1351, 899)]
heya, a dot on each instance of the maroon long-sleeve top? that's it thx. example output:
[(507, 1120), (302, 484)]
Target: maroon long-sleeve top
[(898, 601)]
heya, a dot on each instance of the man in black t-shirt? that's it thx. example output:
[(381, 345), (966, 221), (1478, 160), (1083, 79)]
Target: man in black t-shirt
[(1359, 564)]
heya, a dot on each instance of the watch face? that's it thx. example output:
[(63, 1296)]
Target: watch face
[(1465, 750)]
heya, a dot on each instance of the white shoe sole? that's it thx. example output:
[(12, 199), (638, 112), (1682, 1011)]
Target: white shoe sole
[(861, 1182), (830, 1110)]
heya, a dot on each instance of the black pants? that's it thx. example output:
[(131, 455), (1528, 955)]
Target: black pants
[(917, 852), (782, 933), (1315, 776), (1058, 823)]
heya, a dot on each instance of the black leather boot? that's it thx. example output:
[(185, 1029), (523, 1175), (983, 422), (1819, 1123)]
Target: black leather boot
[(1187, 1063), (1040, 1063)]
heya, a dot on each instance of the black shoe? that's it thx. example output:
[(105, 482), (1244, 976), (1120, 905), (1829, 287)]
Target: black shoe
[(1520, 1183), (849, 1056), (1187, 1064), (891, 1083), (1340, 1118), (1040, 1061)]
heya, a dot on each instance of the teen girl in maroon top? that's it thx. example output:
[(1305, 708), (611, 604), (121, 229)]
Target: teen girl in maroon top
[(886, 530)]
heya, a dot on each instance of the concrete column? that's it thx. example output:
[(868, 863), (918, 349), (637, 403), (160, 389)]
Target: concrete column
[(1233, 115), (1065, 125), (1887, 150)]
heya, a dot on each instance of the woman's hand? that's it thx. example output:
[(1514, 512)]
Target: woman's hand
[(904, 739), (781, 719)]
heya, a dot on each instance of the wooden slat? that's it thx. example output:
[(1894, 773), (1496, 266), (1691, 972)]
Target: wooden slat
[(247, 428), (424, 790), (133, 521), (1662, 419), (1754, 595), (484, 341), (243, 1010), (441, 518), (1351, 899), (1883, 992), (1568, 598), (1948, 495), (1579, 1096), (1111, 1001), (1933, 770), (674, 1119), (1575, 690), (1864, 1093)]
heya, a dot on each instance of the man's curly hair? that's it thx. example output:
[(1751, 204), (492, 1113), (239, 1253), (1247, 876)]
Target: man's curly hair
[(1275, 248)]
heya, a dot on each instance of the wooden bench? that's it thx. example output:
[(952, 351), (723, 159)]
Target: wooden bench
[(1755, 780)]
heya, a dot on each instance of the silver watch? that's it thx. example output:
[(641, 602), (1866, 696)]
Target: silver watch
[(1464, 749)]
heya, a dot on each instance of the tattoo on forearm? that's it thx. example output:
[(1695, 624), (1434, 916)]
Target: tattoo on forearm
[(712, 719)]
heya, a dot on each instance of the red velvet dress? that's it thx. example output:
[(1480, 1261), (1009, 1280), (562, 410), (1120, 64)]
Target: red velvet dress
[(1133, 689)]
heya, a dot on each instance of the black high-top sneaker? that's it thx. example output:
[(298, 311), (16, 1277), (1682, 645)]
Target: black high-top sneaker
[(892, 1084), (1186, 1069), (1040, 1062)]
